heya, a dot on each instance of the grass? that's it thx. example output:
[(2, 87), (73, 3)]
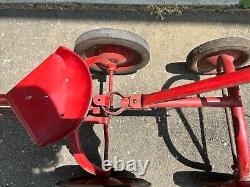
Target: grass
[(245, 3), (162, 11)]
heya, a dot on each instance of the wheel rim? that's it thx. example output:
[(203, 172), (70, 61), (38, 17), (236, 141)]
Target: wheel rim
[(131, 57), (208, 64)]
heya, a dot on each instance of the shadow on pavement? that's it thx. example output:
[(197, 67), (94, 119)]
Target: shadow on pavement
[(179, 68), (198, 178), (25, 164), (163, 125), (161, 116)]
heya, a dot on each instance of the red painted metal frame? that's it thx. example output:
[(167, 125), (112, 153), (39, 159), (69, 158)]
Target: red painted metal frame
[(174, 98), (227, 80), (81, 158), (198, 102), (3, 101), (239, 123), (74, 138), (102, 108)]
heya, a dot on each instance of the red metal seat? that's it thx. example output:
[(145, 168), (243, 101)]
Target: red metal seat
[(54, 98)]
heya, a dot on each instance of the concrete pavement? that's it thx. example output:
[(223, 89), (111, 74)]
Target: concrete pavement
[(180, 144)]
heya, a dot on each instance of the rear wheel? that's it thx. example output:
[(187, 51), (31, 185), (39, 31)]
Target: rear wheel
[(228, 184), (128, 50), (203, 59), (103, 182)]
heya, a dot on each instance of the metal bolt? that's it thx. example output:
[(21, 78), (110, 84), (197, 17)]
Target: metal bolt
[(28, 97)]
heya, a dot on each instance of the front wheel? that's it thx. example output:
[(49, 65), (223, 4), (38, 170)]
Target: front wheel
[(128, 50), (103, 182)]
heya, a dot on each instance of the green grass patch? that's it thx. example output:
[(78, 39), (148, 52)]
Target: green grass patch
[(245, 3)]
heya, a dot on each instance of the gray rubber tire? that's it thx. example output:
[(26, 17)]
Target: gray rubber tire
[(117, 37), (130, 182), (216, 47)]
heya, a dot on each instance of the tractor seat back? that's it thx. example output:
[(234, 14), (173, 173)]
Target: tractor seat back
[(52, 101)]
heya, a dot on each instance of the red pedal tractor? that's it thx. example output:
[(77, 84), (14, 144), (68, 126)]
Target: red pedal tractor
[(56, 98)]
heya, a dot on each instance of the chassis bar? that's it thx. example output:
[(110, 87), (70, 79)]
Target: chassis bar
[(239, 124), (198, 102), (227, 80)]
